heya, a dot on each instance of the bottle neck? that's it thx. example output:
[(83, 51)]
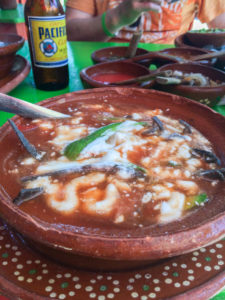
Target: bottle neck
[(43, 7)]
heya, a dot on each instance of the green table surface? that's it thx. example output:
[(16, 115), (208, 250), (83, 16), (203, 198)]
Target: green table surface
[(79, 54), (12, 16)]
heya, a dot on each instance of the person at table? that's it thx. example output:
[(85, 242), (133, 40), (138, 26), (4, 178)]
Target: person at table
[(160, 20)]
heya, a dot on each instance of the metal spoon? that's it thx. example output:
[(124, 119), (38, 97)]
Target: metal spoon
[(27, 110)]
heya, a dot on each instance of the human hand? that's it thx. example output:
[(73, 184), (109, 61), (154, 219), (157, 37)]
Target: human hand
[(130, 10)]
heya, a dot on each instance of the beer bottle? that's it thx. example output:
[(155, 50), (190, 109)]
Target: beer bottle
[(46, 30)]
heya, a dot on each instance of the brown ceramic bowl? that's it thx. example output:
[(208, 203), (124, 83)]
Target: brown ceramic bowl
[(114, 53), (117, 71), (219, 63), (203, 39), (9, 45), (99, 247), (183, 53), (206, 95)]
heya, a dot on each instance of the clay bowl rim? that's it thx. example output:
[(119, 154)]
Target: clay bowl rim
[(195, 89), (94, 83), (15, 43), (119, 248), (95, 57)]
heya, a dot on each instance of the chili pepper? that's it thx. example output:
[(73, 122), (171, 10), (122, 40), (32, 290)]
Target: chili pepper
[(73, 149), (192, 201)]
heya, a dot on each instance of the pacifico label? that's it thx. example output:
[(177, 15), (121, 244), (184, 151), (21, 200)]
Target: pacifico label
[(48, 41)]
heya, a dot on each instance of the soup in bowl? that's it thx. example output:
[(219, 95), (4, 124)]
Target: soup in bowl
[(133, 176)]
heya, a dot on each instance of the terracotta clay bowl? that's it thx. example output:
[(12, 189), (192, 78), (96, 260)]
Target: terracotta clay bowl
[(219, 63), (9, 45), (183, 53), (205, 94), (97, 246), (105, 74), (114, 53), (207, 38)]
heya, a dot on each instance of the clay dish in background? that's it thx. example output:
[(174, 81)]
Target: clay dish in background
[(206, 95), (114, 53), (185, 53), (9, 45), (204, 39)]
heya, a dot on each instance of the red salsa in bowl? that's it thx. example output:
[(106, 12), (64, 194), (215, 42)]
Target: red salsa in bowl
[(106, 74), (111, 78)]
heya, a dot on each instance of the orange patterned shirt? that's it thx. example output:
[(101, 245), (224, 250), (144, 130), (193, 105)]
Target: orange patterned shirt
[(176, 18)]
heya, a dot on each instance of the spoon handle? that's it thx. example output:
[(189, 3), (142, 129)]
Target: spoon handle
[(132, 49), (27, 109), (142, 78), (209, 55)]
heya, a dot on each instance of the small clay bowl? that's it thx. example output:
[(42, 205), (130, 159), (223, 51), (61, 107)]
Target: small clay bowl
[(204, 39), (105, 74), (9, 45), (205, 94), (182, 41), (186, 53), (95, 246), (114, 53)]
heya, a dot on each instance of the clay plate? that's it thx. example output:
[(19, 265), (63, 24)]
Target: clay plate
[(27, 275), (113, 248), (132, 69), (206, 95), (17, 74), (9, 45)]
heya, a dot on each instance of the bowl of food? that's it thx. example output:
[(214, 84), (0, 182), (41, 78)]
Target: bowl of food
[(183, 42), (195, 81), (133, 176), (109, 54), (180, 55), (111, 73), (9, 45), (206, 37)]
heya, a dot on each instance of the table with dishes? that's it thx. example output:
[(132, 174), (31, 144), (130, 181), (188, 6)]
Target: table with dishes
[(196, 275)]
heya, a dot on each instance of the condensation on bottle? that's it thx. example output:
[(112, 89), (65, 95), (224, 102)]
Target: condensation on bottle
[(46, 30)]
